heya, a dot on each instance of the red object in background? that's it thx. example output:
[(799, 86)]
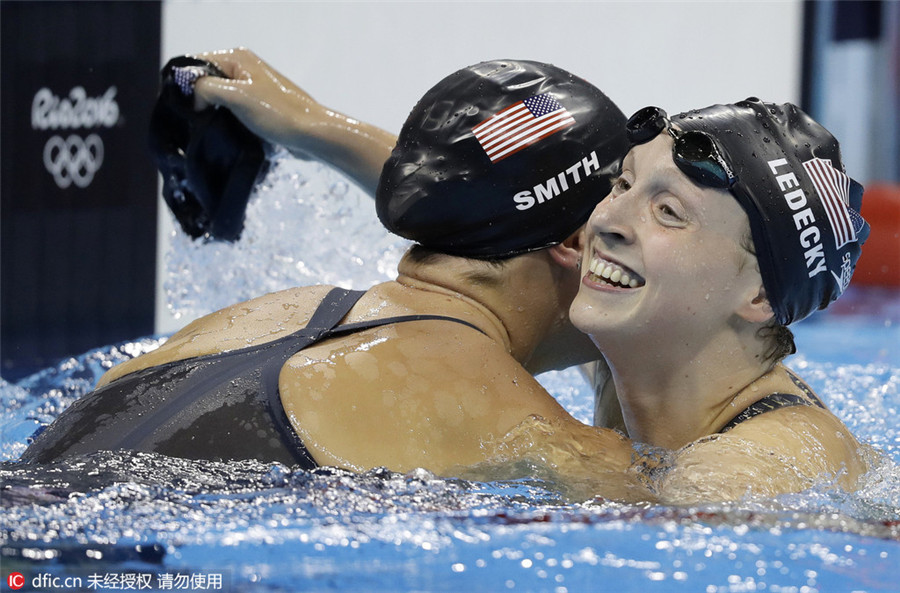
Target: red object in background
[(879, 264)]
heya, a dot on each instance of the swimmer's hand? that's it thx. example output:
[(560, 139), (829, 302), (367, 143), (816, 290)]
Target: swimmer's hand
[(279, 111)]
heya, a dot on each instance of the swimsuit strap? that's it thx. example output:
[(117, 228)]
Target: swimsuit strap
[(805, 389), (334, 307), (323, 325), (774, 401), (262, 363), (338, 302), (350, 328)]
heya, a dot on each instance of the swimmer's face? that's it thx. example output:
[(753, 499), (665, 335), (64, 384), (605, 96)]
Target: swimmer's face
[(663, 255)]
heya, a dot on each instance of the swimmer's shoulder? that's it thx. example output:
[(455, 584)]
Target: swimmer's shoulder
[(256, 321), (786, 450), (797, 427), (411, 394), (414, 356)]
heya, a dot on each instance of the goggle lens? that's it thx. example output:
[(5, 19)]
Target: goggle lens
[(694, 152), (696, 155), (646, 124)]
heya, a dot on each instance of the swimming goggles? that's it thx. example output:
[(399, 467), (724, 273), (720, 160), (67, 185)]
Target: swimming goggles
[(694, 152)]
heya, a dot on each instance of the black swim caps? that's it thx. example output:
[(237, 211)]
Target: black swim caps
[(209, 160), (787, 174), (501, 158)]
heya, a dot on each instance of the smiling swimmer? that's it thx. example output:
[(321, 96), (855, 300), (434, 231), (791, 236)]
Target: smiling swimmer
[(725, 225)]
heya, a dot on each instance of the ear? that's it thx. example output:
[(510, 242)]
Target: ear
[(568, 253), (756, 308)]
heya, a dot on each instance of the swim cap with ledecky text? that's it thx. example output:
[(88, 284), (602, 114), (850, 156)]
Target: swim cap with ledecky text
[(803, 207)]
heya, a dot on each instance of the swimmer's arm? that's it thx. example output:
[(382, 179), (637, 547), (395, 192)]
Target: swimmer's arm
[(724, 468), (583, 461), (280, 112), (787, 451)]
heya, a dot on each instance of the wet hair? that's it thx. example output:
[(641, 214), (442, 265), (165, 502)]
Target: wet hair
[(779, 341), (423, 255), (485, 274)]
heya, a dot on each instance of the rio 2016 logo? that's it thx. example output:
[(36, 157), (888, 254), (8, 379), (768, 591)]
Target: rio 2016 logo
[(15, 580), (73, 159)]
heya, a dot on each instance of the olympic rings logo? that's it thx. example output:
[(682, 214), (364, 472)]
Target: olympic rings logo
[(73, 160)]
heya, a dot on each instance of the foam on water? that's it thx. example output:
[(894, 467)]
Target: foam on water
[(269, 528)]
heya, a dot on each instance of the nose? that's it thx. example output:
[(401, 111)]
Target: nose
[(614, 218)]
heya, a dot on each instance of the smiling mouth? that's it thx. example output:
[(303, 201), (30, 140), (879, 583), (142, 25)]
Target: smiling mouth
[(607, 272)]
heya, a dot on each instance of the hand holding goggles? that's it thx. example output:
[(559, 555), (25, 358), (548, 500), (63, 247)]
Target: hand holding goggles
[(694, 152)]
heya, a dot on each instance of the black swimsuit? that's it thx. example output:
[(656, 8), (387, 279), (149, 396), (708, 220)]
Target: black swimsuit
[(775, 401), (218, 406)]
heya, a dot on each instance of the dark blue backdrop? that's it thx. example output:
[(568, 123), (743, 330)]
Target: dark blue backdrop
[(78, 191)]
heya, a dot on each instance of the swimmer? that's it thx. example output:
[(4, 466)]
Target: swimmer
[(712, 329), (725, 225), (750, 425), (422, 371), (278, 111)]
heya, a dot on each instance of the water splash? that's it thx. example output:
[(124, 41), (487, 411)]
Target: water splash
[(305, 224), (272, 528)]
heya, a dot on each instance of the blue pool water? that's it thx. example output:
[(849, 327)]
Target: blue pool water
[(145, 522)]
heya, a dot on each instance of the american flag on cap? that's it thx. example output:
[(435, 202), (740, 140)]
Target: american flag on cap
[(833, 187), (186, 76), (520, 125)]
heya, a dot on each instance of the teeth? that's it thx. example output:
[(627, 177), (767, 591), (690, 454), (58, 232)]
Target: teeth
[(613, 273)]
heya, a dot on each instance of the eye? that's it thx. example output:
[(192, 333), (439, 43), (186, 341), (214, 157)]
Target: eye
[(669, 212), (620, 185)]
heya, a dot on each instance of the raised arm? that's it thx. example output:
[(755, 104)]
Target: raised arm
[(279, 111)]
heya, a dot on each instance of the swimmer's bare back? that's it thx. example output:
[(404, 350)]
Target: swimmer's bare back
[(428, 393)]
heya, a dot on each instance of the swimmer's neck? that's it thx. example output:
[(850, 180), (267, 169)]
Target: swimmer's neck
[(519, 312), (674, 400)]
